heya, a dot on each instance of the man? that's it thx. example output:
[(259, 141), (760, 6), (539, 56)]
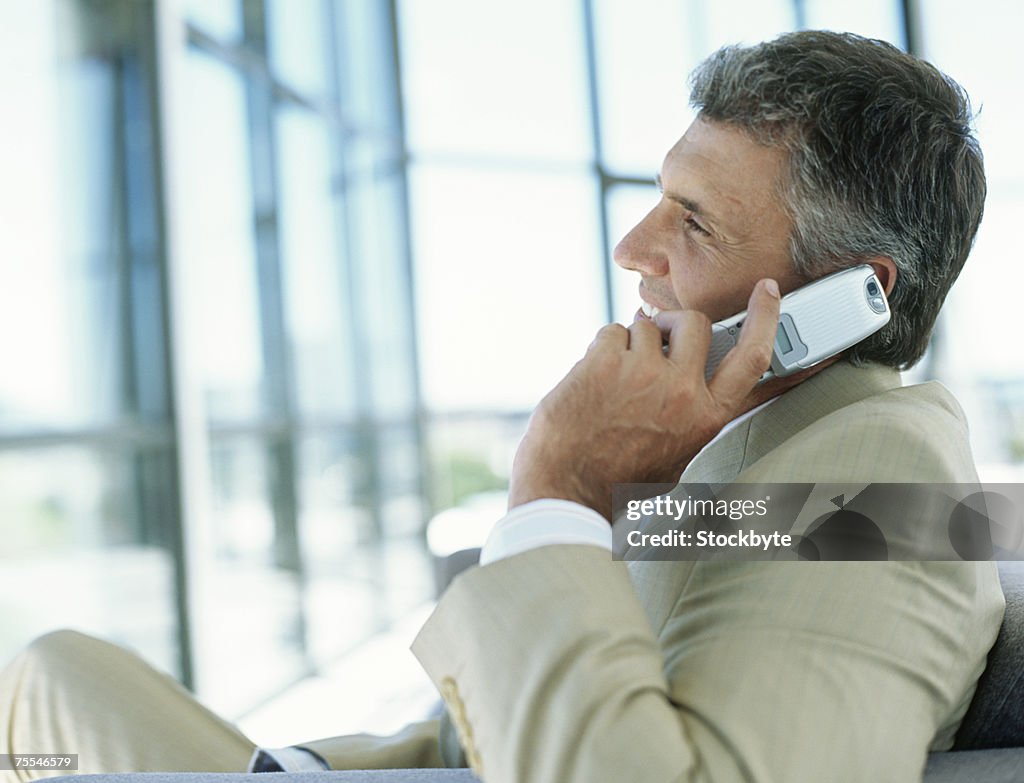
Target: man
[(810, 153)]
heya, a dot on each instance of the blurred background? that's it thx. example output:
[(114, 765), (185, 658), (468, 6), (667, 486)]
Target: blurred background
[(281, 280)]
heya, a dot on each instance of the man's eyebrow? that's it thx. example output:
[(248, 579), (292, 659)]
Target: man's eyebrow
[(683, 201)]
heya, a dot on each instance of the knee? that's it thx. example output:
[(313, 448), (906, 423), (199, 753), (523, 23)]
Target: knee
[(49, 661), (56, 647), (35, 682), (42, 662)]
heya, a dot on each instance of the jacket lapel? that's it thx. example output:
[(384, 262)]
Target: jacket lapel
[(836, 387), (659, 583)]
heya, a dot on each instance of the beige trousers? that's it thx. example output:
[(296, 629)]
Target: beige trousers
[(71, 693)]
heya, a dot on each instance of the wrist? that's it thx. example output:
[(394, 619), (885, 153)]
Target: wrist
[(523, 490)]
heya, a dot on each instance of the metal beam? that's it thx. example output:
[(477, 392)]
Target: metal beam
[(603, 180), (425, 477)]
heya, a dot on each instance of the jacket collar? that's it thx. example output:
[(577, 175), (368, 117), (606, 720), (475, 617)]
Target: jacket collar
[(836, 387)]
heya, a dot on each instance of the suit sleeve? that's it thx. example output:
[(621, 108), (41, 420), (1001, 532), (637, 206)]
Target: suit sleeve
[(764, 672), (768, 672), (551, 672), (416, 746)]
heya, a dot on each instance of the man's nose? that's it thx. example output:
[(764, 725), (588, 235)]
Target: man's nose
[(640, 251)]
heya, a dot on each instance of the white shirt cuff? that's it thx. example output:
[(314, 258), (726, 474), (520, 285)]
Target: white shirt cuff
[(545, 522), (290, 759)]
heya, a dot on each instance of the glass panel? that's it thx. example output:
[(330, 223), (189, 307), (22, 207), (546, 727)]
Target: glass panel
[(220, 18), (472, 455), (470, 462), (401, 573), (984, 55), (627, 205), (68, 522), (375, 582), (495, 78), (508, 281), (219, 243), (977, 321), (973, 354), (60, 318), (298, 35), (367, 64), (739, 21), (251, 634), (645, 51), (317, 306), (873, 18), (402, 508), (981, 305), (378, 241), (332, 498)]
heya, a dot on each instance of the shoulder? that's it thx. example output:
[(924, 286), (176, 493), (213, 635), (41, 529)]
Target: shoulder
[(906, 434)]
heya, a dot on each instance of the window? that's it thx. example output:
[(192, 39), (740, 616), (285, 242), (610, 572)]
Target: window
[(278, 291), (977, 355), (212, 397)]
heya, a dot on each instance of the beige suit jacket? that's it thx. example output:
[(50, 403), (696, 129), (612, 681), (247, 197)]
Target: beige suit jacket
[(560, 664)]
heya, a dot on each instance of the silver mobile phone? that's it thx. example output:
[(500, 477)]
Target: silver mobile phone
[(816, 321)]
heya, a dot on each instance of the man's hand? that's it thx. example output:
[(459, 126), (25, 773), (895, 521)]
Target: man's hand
[(629, 412)]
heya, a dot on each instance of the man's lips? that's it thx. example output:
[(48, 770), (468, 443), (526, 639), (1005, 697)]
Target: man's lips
[(647, 312)]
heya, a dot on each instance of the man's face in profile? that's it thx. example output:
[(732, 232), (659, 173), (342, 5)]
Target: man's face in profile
[(719, 227)]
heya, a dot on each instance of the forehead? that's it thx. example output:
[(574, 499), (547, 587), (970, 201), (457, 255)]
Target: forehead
[(733, 178)]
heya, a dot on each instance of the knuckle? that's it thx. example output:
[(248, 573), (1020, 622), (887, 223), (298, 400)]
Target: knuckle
[(687, 393), (666, 318), (611, 330), (607, 334), (697, 318), (643, 326), (759, 358)]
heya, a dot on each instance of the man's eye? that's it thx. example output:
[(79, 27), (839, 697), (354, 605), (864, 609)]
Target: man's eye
[(694, 226)]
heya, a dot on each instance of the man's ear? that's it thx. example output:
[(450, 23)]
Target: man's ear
[(885, 269)]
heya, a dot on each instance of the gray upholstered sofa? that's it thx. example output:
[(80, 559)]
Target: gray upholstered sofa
[(989, 747)]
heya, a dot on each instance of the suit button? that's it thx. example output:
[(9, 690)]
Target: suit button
[(449, 689), (457, 711)]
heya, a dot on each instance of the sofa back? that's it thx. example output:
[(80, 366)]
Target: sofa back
[(995, 718)]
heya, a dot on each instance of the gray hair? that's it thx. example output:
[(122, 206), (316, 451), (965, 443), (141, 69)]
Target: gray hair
[(882, 162)]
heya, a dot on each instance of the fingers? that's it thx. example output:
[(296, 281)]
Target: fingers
[(613, 337), (743, 366), (640, 336), (689, 338), (645, 336)]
